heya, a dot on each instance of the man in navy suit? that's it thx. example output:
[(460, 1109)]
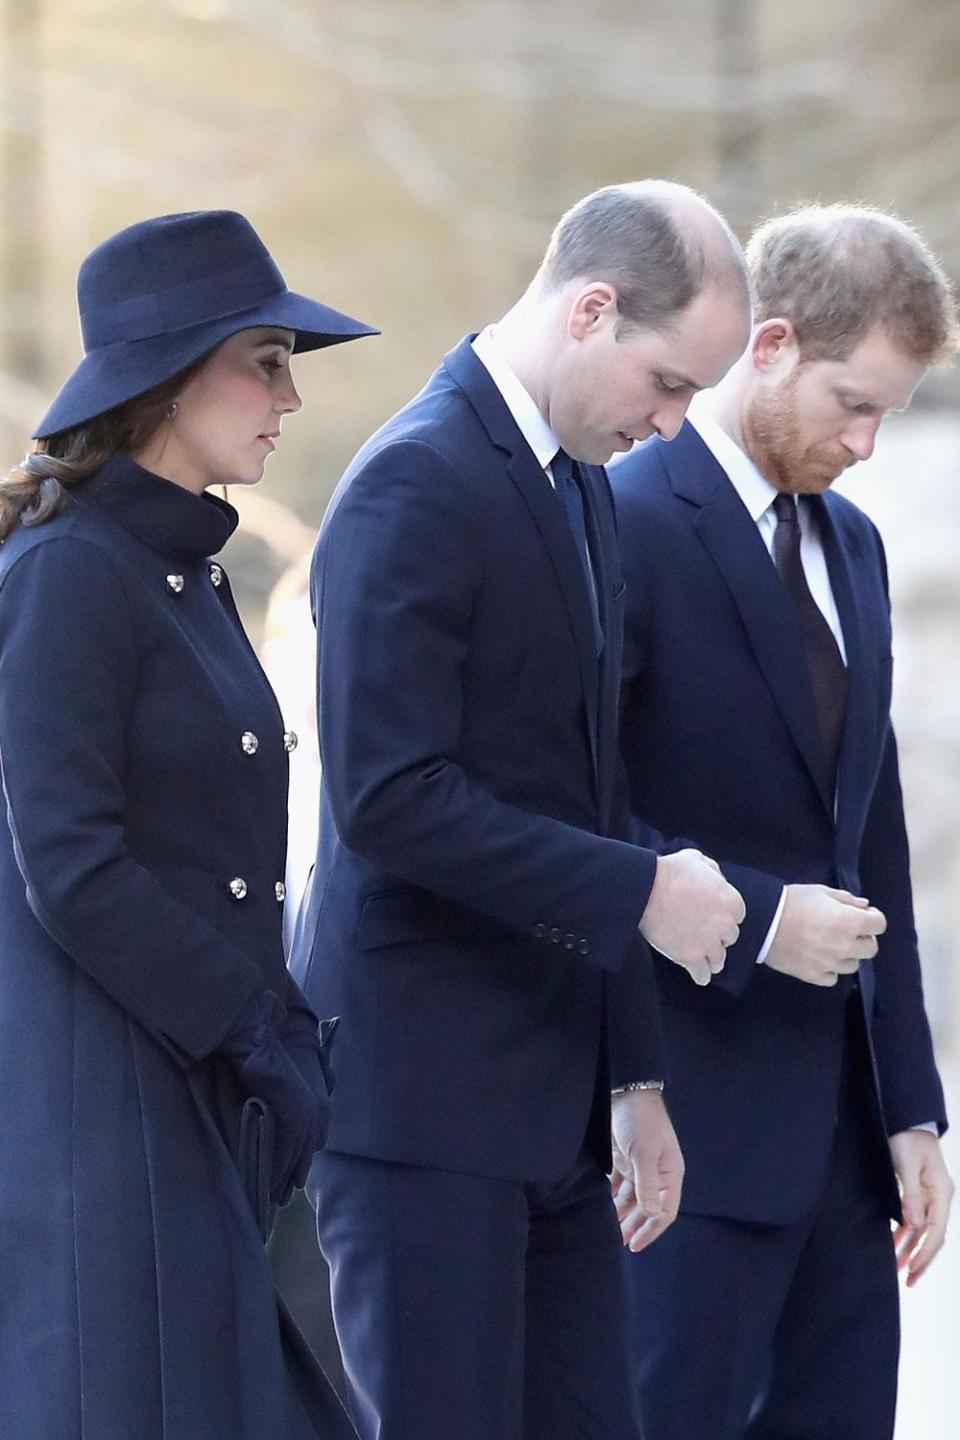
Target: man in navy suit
[(756, 723), (476, 911)]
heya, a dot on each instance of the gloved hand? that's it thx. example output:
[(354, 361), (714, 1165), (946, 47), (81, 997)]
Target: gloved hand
[(290, 1080)]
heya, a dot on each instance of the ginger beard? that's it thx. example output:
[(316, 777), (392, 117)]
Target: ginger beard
[(773, 432)]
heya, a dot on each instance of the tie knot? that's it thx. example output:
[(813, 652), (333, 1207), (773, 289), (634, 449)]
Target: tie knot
[(785, 509)]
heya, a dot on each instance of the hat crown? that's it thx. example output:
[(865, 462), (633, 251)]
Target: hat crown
[(171, 273)]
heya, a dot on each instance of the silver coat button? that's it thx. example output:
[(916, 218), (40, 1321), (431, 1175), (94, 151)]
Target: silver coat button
[(290, 741), (238, 887), (216, 576), (249, 743), (175, 584), (281, 891)]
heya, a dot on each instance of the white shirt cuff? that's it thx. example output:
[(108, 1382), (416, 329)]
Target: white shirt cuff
[(774, 926)]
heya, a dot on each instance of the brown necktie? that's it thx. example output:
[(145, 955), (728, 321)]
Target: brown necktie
[(828, 674)]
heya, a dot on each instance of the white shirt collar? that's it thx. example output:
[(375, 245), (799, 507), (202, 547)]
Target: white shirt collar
[(754, 489), (518, 400)]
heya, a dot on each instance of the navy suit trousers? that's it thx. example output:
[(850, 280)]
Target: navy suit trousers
[(477, 1309), (777, 1332)]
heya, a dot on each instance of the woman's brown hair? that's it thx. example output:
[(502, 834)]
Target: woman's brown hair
[(35, 490)]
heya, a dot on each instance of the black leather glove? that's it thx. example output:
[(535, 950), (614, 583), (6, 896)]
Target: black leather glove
[(290, 1080)]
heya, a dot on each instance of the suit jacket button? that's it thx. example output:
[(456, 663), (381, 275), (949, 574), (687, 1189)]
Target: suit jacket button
[(290, 741), (216, 576), (175, 584), (249, 743), (238, 887), (583, 947), (555, 936), (280, 890), (540, 931), (569, 941)]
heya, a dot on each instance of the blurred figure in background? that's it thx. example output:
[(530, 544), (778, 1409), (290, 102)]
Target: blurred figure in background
[(171, 1084), (476, 910), (756, 724)]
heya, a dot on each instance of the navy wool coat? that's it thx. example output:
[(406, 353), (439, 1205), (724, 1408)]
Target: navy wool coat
[(141, 851)]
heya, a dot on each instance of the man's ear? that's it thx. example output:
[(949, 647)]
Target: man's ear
[(774, 347), (593, 306)]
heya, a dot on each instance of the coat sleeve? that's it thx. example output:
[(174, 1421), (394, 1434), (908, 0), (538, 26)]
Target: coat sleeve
[(397, 570), (68, 679)]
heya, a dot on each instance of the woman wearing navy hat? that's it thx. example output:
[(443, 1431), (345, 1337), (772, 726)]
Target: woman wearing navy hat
[(163, 1081)]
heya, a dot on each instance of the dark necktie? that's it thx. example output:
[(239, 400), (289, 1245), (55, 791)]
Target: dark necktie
[(828, 674), (571, 498)]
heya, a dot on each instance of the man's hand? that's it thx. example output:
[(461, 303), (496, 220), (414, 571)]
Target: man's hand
[(824, 934), (692, 915), (926, 1191), (647, 1174)]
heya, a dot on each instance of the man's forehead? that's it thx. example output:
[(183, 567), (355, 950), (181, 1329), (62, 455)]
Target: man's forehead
[(876, 370)]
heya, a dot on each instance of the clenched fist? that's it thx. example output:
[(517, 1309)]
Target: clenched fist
[(692, 915), (824, 934)]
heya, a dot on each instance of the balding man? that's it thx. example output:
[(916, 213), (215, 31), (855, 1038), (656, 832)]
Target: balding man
[(756, 723), (477, 914)]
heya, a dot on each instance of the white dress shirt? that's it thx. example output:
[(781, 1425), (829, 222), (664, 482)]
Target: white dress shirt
[(518, 401)]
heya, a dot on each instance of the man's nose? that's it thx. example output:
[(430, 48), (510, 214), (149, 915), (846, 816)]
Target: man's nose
[(860, 439)]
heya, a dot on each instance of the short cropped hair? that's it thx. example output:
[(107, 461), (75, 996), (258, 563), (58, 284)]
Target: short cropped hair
[(630, 237), (836, 271)]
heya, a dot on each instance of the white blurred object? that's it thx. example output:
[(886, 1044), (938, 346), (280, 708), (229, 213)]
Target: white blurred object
[(289, 658)]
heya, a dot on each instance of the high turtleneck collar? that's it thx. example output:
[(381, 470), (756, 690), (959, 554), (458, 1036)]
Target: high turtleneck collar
[(165, 516)]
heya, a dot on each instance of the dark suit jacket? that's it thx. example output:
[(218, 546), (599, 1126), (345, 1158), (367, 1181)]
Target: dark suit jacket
[(468, 914), (722, 750)]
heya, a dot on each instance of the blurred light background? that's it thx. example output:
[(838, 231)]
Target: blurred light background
[(405, 160)]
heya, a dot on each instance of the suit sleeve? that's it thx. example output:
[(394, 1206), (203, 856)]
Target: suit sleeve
[(68, 677), (909, 1083), (397, 571)]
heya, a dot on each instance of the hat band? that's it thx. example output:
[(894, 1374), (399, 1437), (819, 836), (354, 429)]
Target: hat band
[(183, 306)]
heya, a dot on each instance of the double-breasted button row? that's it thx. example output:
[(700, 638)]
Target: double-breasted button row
[(556, 936), (239, 889), (250, 743), (175, 583)]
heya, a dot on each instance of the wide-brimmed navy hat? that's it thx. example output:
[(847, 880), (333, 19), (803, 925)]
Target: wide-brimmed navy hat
[(158, 295)]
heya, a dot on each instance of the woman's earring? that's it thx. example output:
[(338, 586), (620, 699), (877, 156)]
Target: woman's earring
[(172, 409)]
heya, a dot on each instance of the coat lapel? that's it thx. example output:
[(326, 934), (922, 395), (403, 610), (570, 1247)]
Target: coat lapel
[(736, 547), (527, 475)]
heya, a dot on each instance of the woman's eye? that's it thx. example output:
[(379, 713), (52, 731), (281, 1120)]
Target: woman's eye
[(271, 365)]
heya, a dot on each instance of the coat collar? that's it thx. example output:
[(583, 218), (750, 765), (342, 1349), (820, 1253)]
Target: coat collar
[(164, 516)]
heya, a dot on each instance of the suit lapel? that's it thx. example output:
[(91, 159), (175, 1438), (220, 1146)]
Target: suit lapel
[(527, 475), (736, 547)]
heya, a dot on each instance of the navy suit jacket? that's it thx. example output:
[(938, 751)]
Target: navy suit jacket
[(473, 912), (722, 749)]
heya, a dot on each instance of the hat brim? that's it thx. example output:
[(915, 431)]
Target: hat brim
[(110, 376)]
